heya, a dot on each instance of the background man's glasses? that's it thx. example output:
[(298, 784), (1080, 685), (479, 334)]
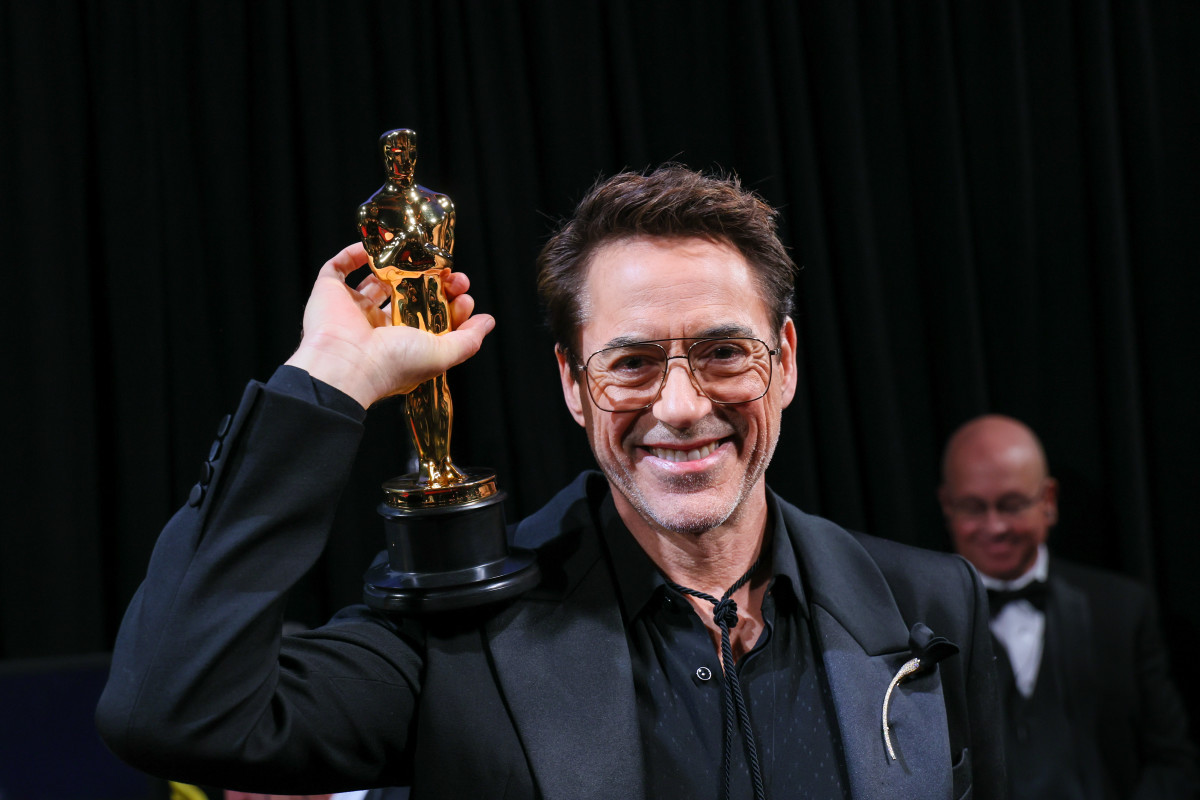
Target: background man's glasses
[(631, 377), (1010, 506)]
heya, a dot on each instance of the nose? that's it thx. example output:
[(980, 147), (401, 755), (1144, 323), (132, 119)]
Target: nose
[(680, 404), (994, 522)]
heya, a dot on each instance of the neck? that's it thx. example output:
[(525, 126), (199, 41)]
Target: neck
[(710, 561)]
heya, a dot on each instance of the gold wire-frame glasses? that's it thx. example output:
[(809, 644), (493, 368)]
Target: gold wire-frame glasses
[(726, 370)]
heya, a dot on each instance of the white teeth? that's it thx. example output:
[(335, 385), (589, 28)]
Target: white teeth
[(684, 455)]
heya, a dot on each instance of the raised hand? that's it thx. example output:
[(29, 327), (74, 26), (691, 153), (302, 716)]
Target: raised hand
[(350, 343)]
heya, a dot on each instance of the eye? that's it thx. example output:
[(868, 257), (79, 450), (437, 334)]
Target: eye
[(720, 350), (628, 364), (970, 507), (726, 351), (1013, 504), (722, 357)]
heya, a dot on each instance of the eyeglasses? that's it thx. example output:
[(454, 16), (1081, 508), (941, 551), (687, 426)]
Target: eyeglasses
[(631, 377), (1010, 506)]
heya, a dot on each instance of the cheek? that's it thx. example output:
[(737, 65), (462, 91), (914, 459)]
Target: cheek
[(609, 430), (761, 425), (1035, 533), (963, 533)]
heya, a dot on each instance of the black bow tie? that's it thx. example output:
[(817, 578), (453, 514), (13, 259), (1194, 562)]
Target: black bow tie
[(1034, 592)]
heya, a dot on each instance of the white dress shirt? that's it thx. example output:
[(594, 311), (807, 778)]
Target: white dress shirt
[(1020, 626)]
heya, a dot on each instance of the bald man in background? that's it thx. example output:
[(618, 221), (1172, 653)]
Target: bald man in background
[(1090, 710)]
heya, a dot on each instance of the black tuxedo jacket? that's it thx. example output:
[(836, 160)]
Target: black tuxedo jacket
[(1105, 645), (531, 699)]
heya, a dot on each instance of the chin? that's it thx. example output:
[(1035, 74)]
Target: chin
[(688, 512), (1007, 571), (692, 523)]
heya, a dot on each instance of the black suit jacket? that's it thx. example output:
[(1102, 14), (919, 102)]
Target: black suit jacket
[(1105, 646), (531, 699)]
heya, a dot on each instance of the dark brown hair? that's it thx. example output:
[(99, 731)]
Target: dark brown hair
[(671, 201)]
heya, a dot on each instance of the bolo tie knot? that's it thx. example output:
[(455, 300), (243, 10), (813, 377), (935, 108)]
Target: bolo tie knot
[(725, 613), (736, 713)]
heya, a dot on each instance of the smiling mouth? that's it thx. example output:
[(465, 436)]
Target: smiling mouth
[(999, 545), (684, 455)]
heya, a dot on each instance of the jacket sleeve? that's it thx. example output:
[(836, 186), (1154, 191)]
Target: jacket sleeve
[(203, 688), (1167, 753)]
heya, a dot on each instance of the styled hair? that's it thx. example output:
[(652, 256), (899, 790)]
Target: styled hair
[(671, 201)]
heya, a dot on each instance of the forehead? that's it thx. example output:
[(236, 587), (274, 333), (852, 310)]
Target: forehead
[(984, 470), (659, 288)]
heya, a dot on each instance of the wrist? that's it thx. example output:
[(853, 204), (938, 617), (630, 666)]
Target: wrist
[(330, 363)]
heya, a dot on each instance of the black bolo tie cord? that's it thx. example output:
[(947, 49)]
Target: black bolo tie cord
[(725, 615)]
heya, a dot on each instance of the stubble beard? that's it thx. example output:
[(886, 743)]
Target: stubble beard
[(685, 517), (675, 517)]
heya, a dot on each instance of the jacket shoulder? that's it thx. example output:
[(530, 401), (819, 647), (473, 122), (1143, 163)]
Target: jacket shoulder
[(1096, 581), (1114, 601), (925, 584), (901, 564), (921, 578)]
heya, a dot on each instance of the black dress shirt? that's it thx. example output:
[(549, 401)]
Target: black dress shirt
[(677, 676)]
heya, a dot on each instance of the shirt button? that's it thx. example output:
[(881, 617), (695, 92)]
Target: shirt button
[(703, 673)]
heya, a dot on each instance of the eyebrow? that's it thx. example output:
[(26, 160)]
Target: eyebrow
[(731, 331)]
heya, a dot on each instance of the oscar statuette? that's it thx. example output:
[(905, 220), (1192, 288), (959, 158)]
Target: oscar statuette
[(444, 524)]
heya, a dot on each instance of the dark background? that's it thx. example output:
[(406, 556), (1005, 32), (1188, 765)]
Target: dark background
[(994, 204)]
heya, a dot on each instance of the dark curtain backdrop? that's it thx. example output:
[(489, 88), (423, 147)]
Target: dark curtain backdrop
[(994, 204)]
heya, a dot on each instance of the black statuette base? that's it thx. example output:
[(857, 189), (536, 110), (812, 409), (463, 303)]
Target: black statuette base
[(443, 558)]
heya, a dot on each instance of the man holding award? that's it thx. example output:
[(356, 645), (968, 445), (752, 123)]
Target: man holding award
[(691, 633)]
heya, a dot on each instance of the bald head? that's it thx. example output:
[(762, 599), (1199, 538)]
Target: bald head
[(997, 496), (993, 437)]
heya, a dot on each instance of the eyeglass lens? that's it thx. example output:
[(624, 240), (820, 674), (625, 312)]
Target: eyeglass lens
[(1012, 505)]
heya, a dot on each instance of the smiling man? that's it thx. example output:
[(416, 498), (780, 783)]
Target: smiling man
[(1090, 710), (694, 635)]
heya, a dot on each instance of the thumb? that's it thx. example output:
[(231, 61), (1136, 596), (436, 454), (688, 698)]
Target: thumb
[(424, 355), (464, 341)]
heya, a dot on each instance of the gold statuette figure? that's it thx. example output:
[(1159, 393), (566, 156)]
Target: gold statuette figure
[(447, 546), (408, 232)]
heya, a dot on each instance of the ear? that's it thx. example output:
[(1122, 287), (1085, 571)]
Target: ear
[(571, 385), (1050, 501), (787, 361)]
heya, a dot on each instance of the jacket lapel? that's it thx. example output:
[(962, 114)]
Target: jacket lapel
[(863, 640), (1068, 624), (577, 717), (578, 721), (1068, 637)]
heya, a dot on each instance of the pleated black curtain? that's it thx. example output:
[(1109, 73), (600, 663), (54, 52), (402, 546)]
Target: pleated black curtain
[(994, 205)]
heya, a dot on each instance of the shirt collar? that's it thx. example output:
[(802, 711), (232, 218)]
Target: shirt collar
[(639, 580)]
